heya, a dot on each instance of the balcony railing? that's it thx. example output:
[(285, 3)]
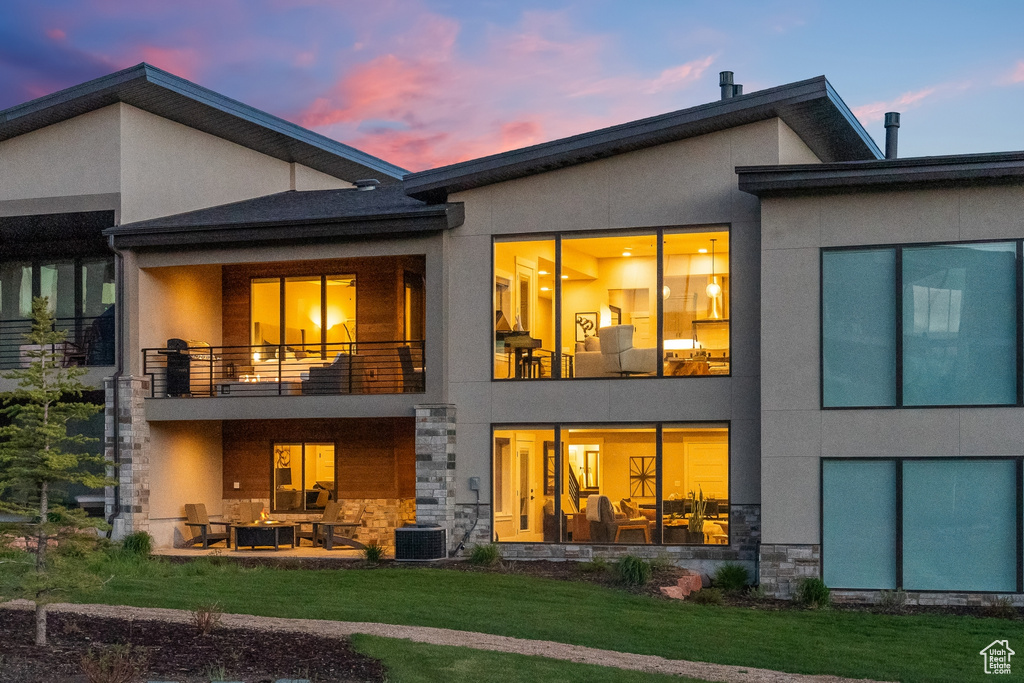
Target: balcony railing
[(89, 341), (195, 371)]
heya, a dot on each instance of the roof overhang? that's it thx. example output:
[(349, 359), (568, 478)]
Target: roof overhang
[(291, 217), (812, 108), (166, 95), (914, 172)]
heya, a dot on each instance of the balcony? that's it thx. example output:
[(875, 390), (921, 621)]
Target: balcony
[(89, 342), (195, 370)]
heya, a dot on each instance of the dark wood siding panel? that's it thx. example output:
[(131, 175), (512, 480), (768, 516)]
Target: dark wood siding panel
[(374, 458)]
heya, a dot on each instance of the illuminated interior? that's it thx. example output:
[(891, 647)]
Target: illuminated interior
[(611, 283), (298, 305), (614, 473), (303, 476)]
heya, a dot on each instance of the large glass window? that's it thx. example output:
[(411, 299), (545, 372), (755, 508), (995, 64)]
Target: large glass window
[(609, 484), (859, 523), (292, 310), (524, 313), (960, 525), (608, 293), (81, 297), (949, 335), (859, 328), (303, 476), (951, 525), (960, 324), (695, 298), (523, 485)]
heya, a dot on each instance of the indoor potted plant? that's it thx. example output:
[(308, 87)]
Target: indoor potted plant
[(698, 508)]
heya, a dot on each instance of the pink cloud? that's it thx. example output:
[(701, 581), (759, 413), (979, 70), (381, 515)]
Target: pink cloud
[(184, 62), (56, 34), (875, 111), (1017, 74), (424, 103)]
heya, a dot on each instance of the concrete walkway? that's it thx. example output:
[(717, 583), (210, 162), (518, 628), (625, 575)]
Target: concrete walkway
[(479, 641)]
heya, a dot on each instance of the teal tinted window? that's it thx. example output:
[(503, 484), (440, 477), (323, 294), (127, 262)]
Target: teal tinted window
[(960, 324), (859, 328), (859, 523), (960, 525)]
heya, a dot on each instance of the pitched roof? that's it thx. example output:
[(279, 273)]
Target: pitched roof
[(937, 171), (812, 108), (177, 99), (293, 216)]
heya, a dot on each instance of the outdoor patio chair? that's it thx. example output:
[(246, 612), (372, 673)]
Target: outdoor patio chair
[(202, 527), (249, 512), (331, 512), (340, 532)]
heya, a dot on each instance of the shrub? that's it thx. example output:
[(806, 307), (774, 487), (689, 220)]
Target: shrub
[(207, 617), (596, 565), (139, 543), (892, 602), (373, 552), (485, 555), (756, 593), (115, 664), (633, 571), (731, 578), (707, 596), (1000, 608), (813, 593), (662, 563)]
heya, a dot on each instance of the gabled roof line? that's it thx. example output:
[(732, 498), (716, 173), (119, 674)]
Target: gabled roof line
[(811, 108), (119, 86)]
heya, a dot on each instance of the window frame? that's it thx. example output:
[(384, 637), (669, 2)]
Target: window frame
[(283, 307), (898, 294), (900, 460), (659, 427), (557, 236), (273, 483)]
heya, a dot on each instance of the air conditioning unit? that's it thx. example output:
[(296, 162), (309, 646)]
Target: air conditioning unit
[(421, 543)]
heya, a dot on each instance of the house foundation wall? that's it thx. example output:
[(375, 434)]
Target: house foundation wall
[(745, 536)]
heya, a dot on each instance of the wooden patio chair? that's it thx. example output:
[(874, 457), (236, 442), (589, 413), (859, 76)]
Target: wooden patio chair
[(202, 527), (340, 532), (249, 512), (331, 511)]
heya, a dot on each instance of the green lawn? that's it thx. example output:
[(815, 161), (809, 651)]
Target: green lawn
[(409, 662), (918, 648)]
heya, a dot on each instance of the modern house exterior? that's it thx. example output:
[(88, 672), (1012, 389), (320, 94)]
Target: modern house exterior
[(549, 348)]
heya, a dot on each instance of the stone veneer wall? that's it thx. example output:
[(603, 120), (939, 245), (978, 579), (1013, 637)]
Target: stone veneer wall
[(132, 447), (465, 515), (745, 538), (783, 566), (919, 598), (380, 518), (435, 466)]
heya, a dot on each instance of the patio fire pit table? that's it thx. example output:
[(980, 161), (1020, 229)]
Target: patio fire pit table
[(257, 534)]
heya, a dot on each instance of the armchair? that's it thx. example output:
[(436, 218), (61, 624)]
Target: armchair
[(615, 355), (343, 376), (607, 525), (202, 527)]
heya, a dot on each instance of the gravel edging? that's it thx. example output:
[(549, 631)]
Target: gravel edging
[(723, 673)]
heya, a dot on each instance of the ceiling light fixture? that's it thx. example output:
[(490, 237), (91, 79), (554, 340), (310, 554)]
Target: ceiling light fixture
[(542, 272), (702, 251), (713, 289), (626, 253), (565, 277)]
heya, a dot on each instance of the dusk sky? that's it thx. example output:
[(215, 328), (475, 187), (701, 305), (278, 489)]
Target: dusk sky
[(423, 83)]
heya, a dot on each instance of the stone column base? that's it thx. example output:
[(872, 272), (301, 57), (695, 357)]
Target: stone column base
[(132, 453)]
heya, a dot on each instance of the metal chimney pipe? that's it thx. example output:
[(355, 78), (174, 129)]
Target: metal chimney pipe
[(892, 129), (725, 82), (737, 90)]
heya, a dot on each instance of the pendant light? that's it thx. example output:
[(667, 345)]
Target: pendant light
[(713, 289)]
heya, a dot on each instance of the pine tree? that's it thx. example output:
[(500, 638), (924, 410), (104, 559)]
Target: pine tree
[(36, 456)]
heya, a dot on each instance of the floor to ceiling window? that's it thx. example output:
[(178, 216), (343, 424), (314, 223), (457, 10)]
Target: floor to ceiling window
[(629, 484), (617, 297)]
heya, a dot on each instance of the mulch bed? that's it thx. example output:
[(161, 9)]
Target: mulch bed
[(175, 652)]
